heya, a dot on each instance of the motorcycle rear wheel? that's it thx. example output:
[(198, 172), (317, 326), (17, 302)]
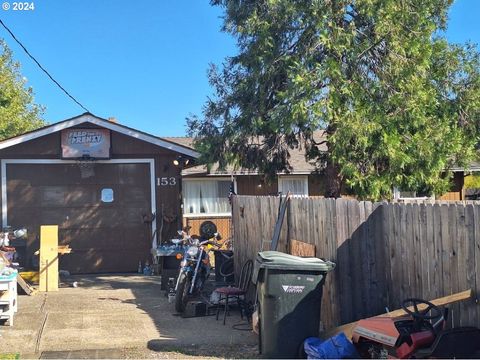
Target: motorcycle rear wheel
[(181, 297)]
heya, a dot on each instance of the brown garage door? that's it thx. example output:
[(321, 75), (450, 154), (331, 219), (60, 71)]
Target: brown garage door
[(104, 236)]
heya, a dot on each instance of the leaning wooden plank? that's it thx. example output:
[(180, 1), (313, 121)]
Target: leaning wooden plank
[(300, 248), (446, 300), (29, 290), (5, 259), (279, 222), (48, 258)]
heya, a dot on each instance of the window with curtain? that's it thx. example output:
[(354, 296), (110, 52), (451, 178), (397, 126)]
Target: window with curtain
[(209, 196), (399, 194), (297, 185)]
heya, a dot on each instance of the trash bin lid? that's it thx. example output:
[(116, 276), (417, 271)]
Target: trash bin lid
[(282, 261)]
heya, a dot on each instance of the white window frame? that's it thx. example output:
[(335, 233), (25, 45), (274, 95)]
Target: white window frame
[(304, 178), (205, 215), (397, 196)]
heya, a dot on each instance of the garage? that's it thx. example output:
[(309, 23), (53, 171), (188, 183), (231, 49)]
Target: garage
[(103, 203)]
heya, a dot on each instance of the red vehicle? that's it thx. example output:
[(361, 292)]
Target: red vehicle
[(419, 334)]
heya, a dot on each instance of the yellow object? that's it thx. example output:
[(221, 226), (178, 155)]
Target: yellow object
[(31, 276), (48, 258)]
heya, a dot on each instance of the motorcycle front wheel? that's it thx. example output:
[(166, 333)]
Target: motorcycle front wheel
[(181, 297)]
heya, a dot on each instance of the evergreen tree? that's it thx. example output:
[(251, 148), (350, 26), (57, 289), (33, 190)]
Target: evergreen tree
[(398, 103)]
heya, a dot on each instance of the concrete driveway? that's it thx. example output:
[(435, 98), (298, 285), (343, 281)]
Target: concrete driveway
[(111, 312)]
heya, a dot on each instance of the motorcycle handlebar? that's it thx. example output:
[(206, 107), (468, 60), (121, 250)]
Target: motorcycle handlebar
[(209, 242)]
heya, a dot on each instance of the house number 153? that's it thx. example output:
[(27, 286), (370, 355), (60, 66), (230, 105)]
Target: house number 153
[(166, 181)]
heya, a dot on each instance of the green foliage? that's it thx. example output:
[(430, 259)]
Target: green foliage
[(472, 181), (398, 103), (18, 113)]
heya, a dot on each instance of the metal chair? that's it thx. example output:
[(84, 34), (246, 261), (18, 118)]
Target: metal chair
[(236, 291)]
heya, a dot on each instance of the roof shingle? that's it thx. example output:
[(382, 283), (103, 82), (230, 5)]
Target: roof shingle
[(297, 160)]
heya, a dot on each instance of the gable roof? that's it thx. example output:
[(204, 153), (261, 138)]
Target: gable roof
[(92, 119), (299, 164)]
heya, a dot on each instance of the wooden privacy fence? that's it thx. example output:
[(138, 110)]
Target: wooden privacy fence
[(385, 252)]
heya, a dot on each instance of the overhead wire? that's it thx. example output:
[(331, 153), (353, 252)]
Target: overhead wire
[(42, 68)]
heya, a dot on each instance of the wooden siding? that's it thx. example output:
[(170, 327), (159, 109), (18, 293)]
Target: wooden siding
[(255, 185), (384, 252), (316, 185)]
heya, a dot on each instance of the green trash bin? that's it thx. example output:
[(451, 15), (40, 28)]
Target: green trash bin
[(289, 291)]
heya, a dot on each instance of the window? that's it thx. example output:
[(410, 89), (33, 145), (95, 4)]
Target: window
[(297, 185), (411, 195), (209, 196)]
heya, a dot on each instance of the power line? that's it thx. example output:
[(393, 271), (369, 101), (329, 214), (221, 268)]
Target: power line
[(42, 68)]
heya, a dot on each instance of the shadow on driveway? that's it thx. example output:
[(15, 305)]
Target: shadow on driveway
[(118, 312)]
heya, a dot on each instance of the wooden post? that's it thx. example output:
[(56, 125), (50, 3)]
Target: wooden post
[(48, 258), (289, 228)]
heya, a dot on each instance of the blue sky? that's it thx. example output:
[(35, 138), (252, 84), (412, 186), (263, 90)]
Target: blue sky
[(143, 62)]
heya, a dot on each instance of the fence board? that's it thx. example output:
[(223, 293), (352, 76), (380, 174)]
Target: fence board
[(461, 260), (355, 258), (422, 248), (330, 230), (380, 259), (446, 249), (453, 241), (343, 262), (396, 258), (476, 217), (428, 244), (437, 283), (417, 251)]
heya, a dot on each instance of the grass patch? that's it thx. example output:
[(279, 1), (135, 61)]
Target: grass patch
[(10, 356)]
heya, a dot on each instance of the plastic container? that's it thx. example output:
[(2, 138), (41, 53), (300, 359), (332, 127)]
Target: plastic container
[(289, 292)]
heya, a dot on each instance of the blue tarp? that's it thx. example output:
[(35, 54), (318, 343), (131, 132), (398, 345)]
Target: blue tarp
[(337, 347)]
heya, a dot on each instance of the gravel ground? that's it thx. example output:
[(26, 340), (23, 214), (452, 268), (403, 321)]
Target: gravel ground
[(167, 352), (196, 352)]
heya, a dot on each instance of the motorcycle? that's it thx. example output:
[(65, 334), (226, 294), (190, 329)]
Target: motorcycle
[(195, 265)]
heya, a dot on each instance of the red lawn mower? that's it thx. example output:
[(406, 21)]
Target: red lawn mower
[(420, 333)]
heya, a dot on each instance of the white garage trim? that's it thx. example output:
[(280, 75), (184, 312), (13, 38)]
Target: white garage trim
[(89, 118), (5, 162)]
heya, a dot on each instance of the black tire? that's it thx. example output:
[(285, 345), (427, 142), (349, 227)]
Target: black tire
[(181, 296), (207, 230)]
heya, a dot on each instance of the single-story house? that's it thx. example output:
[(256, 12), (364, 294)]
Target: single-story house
[(100, 182), (205, 193)]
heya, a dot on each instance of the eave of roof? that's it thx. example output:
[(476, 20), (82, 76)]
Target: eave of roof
[(474, 166), (90, 118), (300, 165)]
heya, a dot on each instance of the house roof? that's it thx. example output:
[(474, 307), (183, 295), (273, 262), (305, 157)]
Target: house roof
[(92, 119), (297, 160), (474, 166)]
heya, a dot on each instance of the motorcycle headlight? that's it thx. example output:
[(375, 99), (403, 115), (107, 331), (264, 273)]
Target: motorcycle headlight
[(192, 251)]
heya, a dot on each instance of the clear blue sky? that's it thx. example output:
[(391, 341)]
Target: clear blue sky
[(143, 62)]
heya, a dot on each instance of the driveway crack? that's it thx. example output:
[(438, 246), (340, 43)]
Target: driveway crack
[(44, 322)]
